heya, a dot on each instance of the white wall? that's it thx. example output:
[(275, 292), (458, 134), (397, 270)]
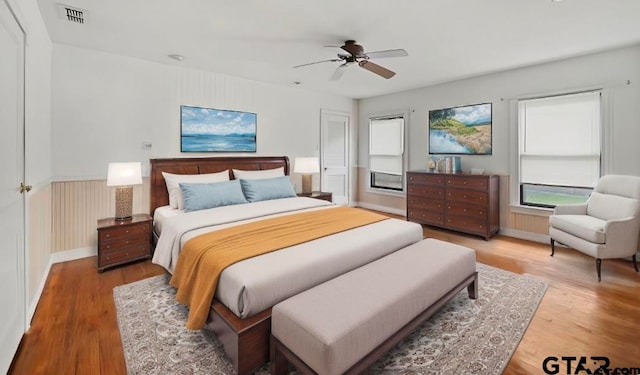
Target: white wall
[(610, 69), (105, 106)]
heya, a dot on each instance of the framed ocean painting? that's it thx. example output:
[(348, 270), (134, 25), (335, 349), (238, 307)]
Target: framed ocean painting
[(464, 130), (216, 130)]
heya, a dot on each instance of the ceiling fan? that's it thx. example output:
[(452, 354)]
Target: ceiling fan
[(356, 55)]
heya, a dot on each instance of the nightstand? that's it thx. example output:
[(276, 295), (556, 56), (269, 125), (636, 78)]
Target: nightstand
[(124, 241), (318, 195)]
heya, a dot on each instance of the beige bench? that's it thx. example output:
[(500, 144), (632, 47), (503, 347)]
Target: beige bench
[(347, 323)]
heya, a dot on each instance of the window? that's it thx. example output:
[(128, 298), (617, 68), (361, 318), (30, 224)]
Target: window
[(559, 148), (386, 151)]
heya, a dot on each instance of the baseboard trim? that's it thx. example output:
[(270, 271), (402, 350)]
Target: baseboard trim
[(73, 254), (535, 237), (377, 207), (36, 298)]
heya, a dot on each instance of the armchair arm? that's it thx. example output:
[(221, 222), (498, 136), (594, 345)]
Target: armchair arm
[(621, 237), (570, 209)]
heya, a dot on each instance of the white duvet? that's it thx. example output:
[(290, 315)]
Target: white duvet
[(258, 283)]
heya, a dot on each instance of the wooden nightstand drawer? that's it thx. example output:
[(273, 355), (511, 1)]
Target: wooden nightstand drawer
[(124, 255), (112, 233), (120, 242)]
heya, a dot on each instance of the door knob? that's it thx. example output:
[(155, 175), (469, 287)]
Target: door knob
[(24, 188)]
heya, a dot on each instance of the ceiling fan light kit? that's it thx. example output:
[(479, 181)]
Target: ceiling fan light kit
[(356, 54)]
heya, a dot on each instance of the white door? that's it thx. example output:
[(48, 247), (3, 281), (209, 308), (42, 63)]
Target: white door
[(334, 155), (12, 276)]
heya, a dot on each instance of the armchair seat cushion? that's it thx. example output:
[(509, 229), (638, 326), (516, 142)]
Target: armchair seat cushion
[(588, 228)]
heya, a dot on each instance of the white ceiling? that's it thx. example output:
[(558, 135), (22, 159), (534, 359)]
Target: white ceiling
[(263, 39)]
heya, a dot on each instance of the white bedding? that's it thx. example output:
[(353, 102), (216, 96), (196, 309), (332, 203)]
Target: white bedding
[(161, 215), (255, 284)]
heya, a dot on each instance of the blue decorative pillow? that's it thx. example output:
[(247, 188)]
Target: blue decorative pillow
[(267, 188), (209, 195)]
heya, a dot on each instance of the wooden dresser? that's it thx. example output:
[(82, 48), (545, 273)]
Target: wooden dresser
[(462, 202), (124, 241)]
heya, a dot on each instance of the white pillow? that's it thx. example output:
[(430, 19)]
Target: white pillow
[(173, 184), (257, 175)]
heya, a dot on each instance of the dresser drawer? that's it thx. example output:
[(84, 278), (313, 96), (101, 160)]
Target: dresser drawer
[(106, 234), (425, 179), (468, 182), (467, 224), (436, 205), (467, 196), (469, 210), (426, 217), (425, 191), (123, 254)]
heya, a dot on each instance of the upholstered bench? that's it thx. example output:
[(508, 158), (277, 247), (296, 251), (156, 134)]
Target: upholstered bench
[(345, 324)]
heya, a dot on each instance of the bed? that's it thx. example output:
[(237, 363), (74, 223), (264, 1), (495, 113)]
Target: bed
[(241, 310)]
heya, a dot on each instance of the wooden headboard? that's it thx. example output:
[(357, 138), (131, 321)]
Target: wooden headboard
[(159, 193)]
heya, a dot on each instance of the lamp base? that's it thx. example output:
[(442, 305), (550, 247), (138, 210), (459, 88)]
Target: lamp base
[(124, 202), (306, 183)]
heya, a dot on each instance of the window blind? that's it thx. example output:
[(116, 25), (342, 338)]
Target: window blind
[(560, 140), (386, 145)]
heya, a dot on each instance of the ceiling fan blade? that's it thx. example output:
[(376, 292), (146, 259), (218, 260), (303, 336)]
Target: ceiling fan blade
[(377, 69), (338, 72), (317, 62), (387, 53)]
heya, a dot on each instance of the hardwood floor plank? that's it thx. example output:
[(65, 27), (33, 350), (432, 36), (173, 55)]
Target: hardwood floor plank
[(74, 329)]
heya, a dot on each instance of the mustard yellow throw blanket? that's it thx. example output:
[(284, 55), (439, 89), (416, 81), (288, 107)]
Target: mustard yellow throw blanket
[(204, 257)]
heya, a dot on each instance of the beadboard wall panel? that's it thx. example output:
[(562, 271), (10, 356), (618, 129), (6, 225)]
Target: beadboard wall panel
[(39, 242), (529, 223), (77, 205)]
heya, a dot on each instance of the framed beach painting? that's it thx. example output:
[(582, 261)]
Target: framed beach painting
[(463, 130), (216, 130)]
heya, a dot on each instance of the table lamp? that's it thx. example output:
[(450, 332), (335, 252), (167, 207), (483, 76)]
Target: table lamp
[(306, 166), (123, 176)]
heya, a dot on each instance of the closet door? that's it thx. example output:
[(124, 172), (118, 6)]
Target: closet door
[(12, 259)]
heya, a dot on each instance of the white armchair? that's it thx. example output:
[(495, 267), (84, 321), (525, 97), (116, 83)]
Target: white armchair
[(606, 226)]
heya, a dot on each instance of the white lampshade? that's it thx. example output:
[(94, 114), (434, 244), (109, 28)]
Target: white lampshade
[(124, 174), (306, 165)]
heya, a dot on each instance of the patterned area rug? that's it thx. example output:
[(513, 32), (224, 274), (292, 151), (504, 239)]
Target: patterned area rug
[(465, 337)]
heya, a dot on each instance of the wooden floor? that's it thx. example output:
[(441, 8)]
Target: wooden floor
[(74, 330)]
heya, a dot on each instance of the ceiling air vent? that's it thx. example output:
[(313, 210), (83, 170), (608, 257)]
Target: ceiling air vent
[(71, 14)]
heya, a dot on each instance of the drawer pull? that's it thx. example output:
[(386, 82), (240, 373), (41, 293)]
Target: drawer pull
[(108, 246), (108, 258), (464, 210), (465, 182), (108, 235)]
